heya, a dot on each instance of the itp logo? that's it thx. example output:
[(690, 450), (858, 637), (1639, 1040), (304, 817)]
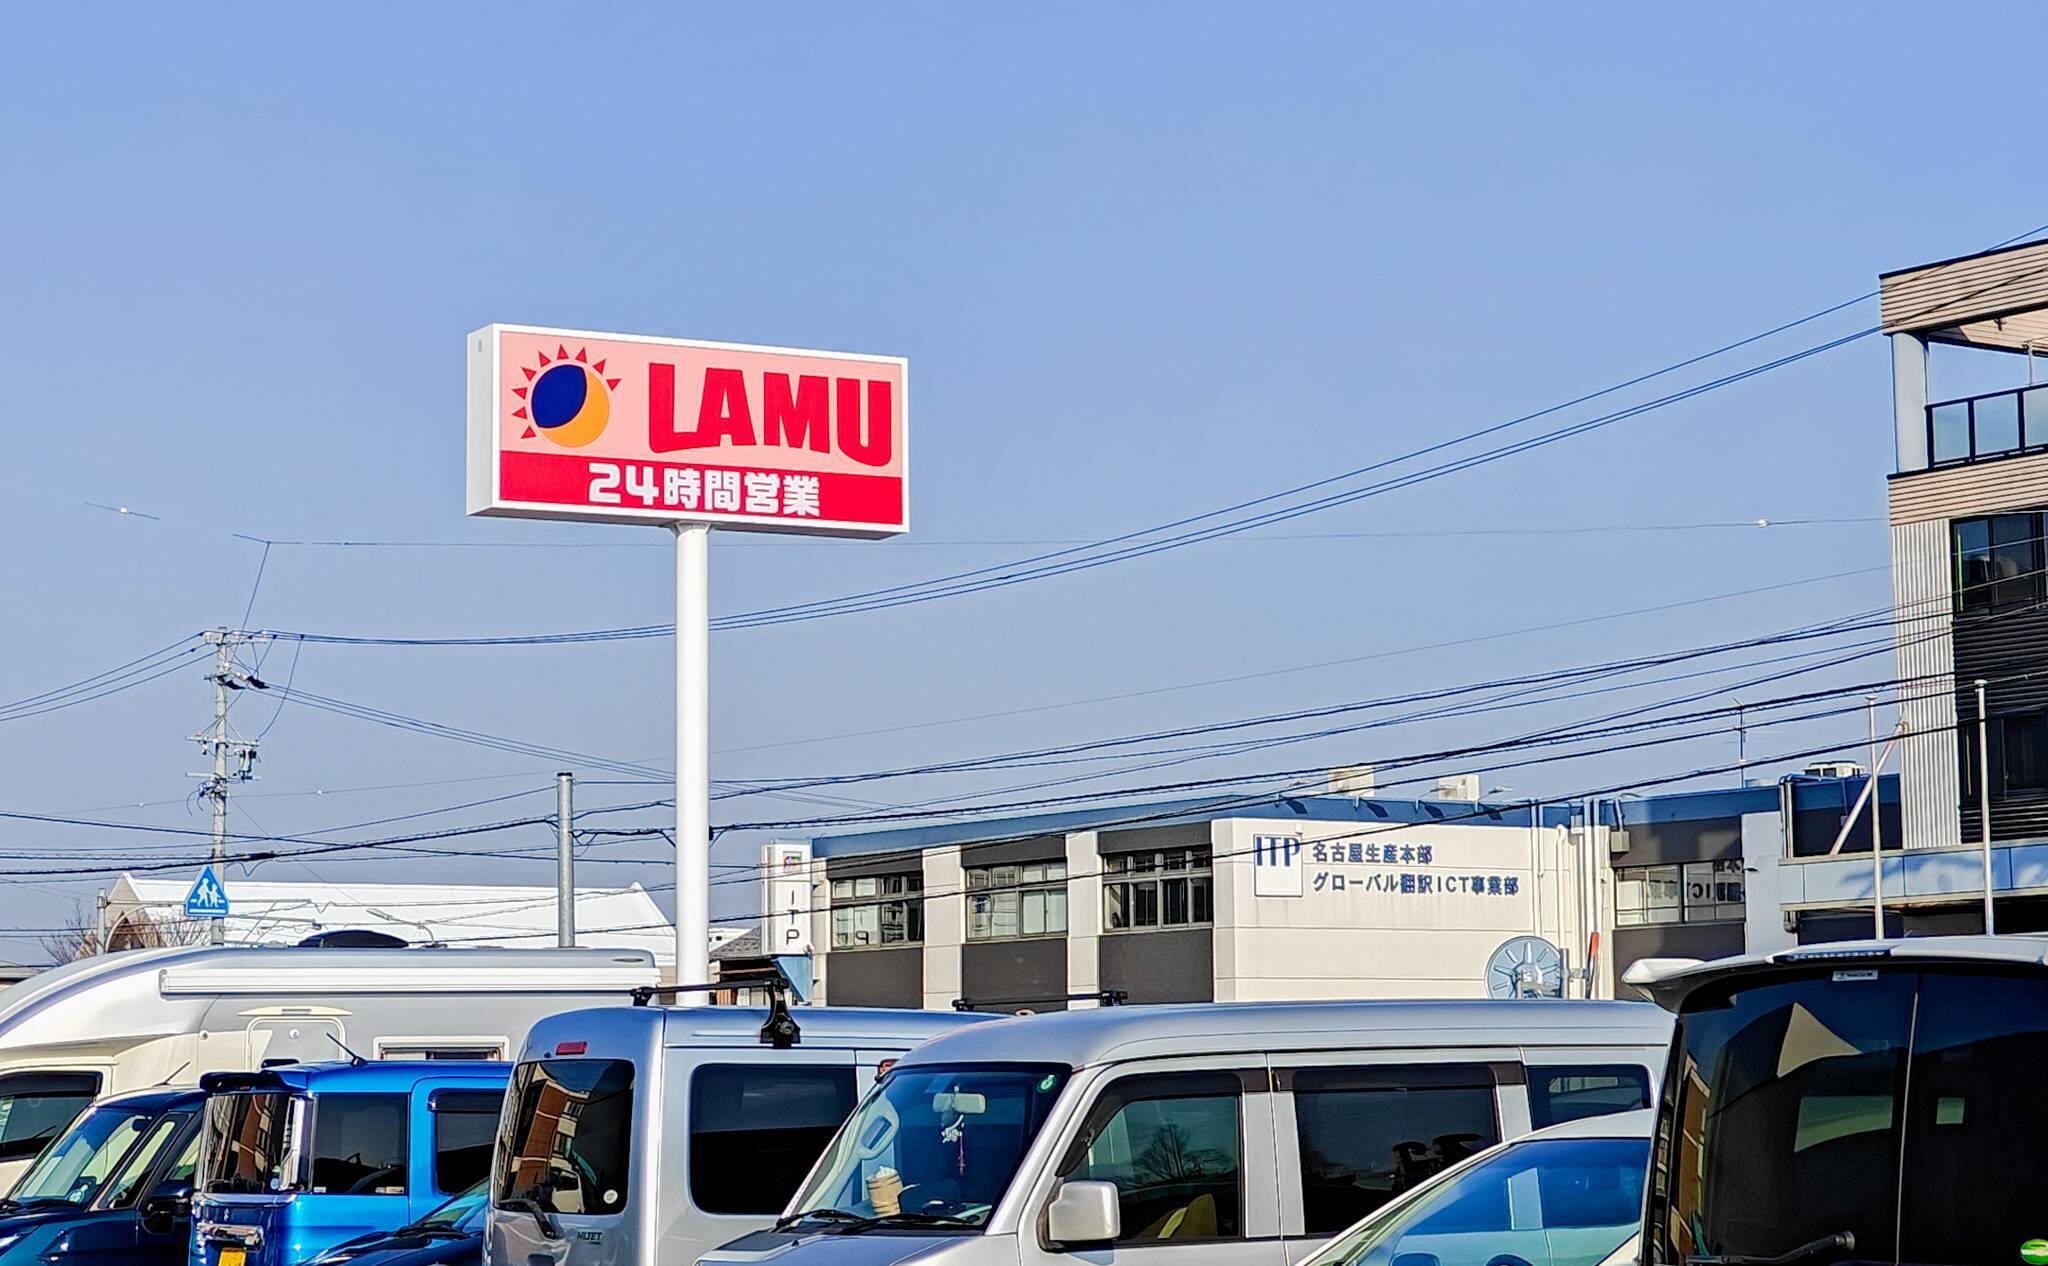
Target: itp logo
[(566, 399), (1276, 865)]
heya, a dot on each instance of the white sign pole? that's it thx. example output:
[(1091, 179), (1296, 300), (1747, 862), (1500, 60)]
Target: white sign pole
[(693, 760)]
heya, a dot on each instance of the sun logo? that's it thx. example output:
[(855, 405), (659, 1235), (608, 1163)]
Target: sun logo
[(566, 399)]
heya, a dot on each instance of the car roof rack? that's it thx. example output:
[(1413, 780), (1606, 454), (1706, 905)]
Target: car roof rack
[(780, 1030), (1106, 997)]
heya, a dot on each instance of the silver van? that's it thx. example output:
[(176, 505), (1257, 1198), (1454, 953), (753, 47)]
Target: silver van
[(1244, 1134), (646, 1134)]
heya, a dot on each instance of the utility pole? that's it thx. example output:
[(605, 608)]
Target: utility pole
[(1984, 804), (565, 860), (234, 760), (1876, 822)]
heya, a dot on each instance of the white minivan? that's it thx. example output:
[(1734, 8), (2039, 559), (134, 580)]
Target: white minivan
[(1244, 1134)]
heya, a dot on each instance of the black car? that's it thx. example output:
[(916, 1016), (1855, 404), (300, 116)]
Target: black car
[(452, 1235)]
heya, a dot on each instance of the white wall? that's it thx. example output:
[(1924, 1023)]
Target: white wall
[(1371, 939)]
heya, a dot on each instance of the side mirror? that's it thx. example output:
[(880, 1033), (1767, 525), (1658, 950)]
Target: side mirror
[(1083, 1214), (166, 1208)]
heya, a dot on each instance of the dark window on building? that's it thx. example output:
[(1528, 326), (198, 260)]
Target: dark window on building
[(1573, 1092), (1161, 888), (756, 1130), (2026, 751), (1367, 1135), (359, 1145), (877, 910), (1029, 899), (1998, 562), (1173, 1145), (1694, 892), (465, 1123)]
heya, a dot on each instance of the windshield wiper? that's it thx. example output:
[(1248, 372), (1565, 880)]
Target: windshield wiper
[(1839, 1242), (902, 1219), (822, 1215), (526, 1204)]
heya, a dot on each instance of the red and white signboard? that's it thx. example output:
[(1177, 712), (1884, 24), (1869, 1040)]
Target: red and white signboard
[(620, 428)]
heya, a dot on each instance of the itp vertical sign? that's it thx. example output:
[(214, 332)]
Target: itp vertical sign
[(690, 436), (786, 899)]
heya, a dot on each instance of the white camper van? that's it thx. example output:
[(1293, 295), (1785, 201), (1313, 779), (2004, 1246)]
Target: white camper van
[(145, 1018)]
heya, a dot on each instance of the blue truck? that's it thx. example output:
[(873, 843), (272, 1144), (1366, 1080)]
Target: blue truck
[(296, 1160)]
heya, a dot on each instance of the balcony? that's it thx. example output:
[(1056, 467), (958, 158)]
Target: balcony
[(1979, 428)]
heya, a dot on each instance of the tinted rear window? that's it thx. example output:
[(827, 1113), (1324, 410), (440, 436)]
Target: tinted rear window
[(566, 1140), (35, 1108), (756, 1130)]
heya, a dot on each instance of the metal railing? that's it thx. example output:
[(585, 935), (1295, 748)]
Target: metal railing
[(1996, 424)]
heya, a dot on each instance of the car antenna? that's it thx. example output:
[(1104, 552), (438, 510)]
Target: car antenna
[(174, 1074), (355, 1060)]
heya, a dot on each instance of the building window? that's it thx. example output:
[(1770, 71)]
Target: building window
[(1696, 892), (877, 910), (1164, 888), (1997, 562), (2026, 751), (1024, 900)]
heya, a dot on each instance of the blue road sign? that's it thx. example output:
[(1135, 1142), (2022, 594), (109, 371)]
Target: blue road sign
[(208, 899)]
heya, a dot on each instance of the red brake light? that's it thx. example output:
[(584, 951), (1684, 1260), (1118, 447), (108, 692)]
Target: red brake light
[(571, 1048)]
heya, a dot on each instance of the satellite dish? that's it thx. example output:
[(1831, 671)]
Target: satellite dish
[(1525, 967)]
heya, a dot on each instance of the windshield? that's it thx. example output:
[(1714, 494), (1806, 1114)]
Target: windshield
[(463, 1213), (73, 1168), (1889, 1105), (566, 1140), (251, 1144), (35, 1108), (942, 1142), (1545, 1202)]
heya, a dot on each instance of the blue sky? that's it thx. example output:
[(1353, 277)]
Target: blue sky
[(1145, 259)]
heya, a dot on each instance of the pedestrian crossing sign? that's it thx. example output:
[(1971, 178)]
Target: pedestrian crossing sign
[(208, 899)]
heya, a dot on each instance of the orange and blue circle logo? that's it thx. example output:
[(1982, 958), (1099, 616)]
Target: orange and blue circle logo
[(566, 399)]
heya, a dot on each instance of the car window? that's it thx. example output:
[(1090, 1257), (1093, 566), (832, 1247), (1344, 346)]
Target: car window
[(566, 1139), (1543, 1202), (1368, 1134), (1780, 1106), (36, 1107), (465, 1125), (1172, 1145), (130, 1180), (1573, 1092), (1969, 1191), (359, 1145), (779, 1117)]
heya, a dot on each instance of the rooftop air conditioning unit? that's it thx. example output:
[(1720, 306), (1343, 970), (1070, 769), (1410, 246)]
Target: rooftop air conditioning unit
[(1458, 787), (1835, 769), (1352, 780)]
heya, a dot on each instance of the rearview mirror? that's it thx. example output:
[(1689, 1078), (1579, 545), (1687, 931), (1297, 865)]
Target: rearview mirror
[(1083, 1214), (964, 1102)]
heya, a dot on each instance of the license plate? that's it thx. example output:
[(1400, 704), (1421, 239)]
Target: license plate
[(234, 1257)]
